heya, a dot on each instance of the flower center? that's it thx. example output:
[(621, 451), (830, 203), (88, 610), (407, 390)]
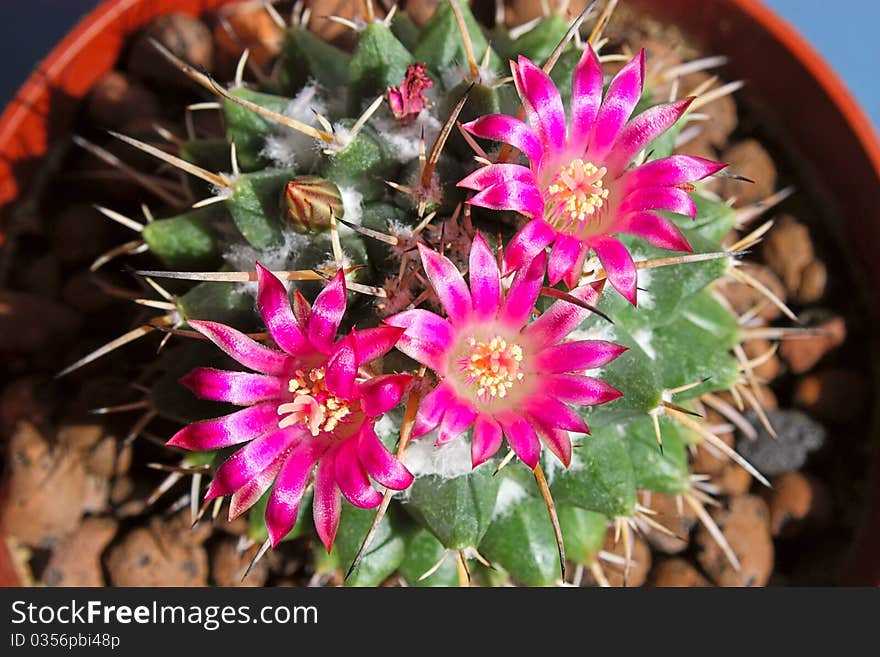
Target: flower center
[(576, 196), (492, 367), (313, 405)]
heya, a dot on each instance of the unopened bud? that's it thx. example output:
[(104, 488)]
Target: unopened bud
[(310, 202)]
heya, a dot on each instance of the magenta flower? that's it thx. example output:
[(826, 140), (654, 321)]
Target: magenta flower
[(310, 402), (578, 190), (504, 376)]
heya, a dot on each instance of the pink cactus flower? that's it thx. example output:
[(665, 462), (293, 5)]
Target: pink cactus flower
[(578, 190), (407, 99), (499, 373), (310, 402)]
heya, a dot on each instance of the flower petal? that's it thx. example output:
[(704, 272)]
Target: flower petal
[(642, 130), (248, 495), (382, 393), (618, 265), (535, 236), (524, 291), (620, 101), (564, 256), (282, 508), (577, 355), (509, 129), (486, 441), (492, 174), (563, 317), (666, 199), (586, 97), (352, 479), (672, 170), (558, 442), (521, 437), (581, 390), (485, 279), (327, 503), (277, 314), (250, 460), (457, 419), (432, 408), (553, 414), (327, 312), (241, 388), (381, 464), (342, 369), (524, 198), (448, 284), (542, 103), (427, 338), (656, 231), (232, 429), (373, 343), (247, 352)]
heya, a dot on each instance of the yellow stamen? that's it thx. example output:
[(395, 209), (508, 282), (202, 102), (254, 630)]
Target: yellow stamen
[(576, 195), (314, 406), (493, 367)]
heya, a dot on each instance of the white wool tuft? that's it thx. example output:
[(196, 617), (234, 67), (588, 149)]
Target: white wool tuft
[(353, 203), (243, 257), (510, 493), (451, 76), (646, 297), (287, 147), (448, 461), (643, 338), (402, 141)]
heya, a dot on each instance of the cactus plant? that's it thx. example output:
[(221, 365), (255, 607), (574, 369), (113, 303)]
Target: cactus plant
[(366, 181)]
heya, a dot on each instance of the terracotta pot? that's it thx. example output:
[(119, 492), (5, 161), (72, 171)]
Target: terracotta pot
[(792, 88)]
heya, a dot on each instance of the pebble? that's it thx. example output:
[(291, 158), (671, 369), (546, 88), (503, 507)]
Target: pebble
[(795, 498), (757, 348), (797, 435), (802, 354), (639, 568), (787, 250), (228, 565), (76, 560), (746, 526), (246, 26), (666, 513), (744, 298), (707, 460), (814, 280), (184, 36), (116, 98), (839, 395), (722, 113), (677, 573), (749, 159), (733, 480)]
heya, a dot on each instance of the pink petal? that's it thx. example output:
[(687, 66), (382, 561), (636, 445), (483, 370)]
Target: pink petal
[(620, 101), (485, 279), (492, 174), (656, 231), (427, 339), (241, 388), (231, 429), (381, 464), (448, 283), (558, 442), (618, 265), (553, 414), (432, 408), (342, 369), (642, 130), (578, 355), (250, 460), (501, 127), (581, 390), (352, 479), (564, 256), (327, 312), (542, 103), (667, 199), (524, 198), (486, 441), (573, 277), (532, 238), (563, 317), (290, 484), (327, 503), (382, 393), (247, 352), (524, 291), (457, 419), (248, 495), (373, 343), (672, 170), (274, 305), (521, 437), (586, 97)]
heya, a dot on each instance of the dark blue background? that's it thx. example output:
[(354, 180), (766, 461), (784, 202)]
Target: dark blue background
[(844, 31)]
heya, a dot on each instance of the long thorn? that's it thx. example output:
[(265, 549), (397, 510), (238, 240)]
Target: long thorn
[(554, 519)]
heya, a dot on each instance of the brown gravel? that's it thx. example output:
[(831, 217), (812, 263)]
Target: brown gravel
[(680, 524), (802, 355), (836, 394), (788, 249), (795, 499), (246, 26), (116, 98), (641, 561), (746, 526), (743, 298), (76, 560), (677, 573), (768, 370), (814, 280), (183, 35), (749, 159), (228, 565)]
